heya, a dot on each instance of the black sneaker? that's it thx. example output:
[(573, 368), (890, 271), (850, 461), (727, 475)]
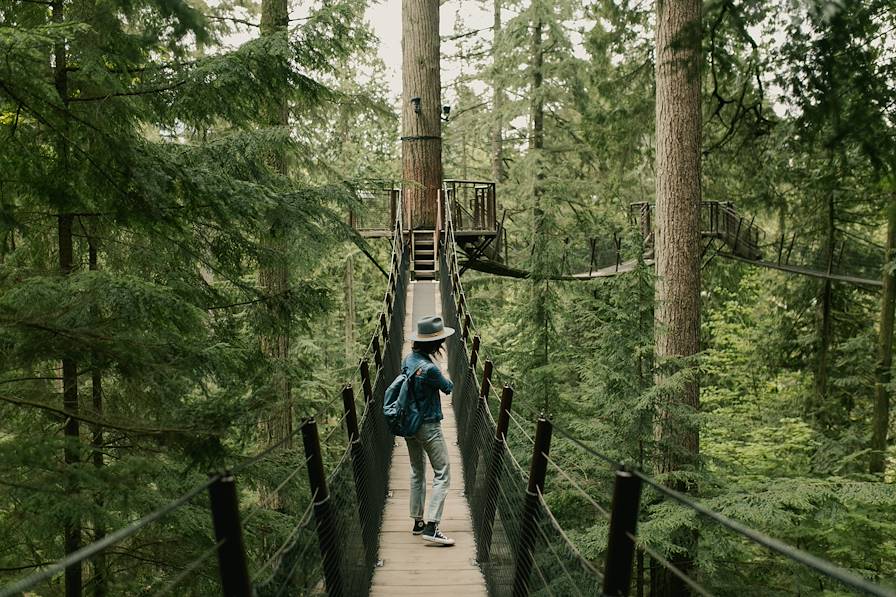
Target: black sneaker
[(418, 527), (433, 534)]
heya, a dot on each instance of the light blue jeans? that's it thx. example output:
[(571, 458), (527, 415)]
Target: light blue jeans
[(429, 439)]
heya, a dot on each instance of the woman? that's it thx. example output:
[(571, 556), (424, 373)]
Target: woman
[(428, 380)]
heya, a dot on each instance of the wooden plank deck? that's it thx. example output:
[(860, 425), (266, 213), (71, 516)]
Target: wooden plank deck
[(410, 565)]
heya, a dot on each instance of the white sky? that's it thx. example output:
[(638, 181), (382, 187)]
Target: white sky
[(385, 18)]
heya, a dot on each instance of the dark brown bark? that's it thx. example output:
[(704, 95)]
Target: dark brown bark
[(880, 421), (677, 242), (71, 532), (421, 132), (499, 173), (822, 408), (536, 145), (72, 429), (273, 275), (349, 292), (100, 572), (540, 273)]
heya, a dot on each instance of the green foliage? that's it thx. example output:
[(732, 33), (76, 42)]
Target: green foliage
[(152, 145), (798, 113)]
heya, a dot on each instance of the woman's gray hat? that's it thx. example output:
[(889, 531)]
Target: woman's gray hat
[(430, 329)]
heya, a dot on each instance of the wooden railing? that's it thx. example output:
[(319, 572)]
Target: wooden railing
[(472, 204), (376, 209), (718, 219)]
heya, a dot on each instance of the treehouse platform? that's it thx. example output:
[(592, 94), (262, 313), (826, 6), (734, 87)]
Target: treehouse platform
[(473, 205)]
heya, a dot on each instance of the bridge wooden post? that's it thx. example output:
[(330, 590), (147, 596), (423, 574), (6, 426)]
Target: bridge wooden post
[(385, 327), (468, 322), (358, 466), (474, 353), (487, 369), (323, 513), (531, 508), (620, 542), (229, 534), (478, 412), (377, 353), (493, 477), (365, 381)]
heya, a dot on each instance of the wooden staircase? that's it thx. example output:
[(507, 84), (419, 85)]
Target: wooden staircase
[(423, 254)]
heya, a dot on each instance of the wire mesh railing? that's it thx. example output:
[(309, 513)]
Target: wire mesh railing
[(521, 547), (331, 545)]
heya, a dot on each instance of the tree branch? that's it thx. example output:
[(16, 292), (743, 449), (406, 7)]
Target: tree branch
[(118, 427)]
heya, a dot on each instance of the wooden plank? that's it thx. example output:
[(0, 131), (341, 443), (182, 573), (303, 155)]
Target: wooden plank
[(412, 566)]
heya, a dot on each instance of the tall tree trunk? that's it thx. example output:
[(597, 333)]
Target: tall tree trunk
[(822, 407), (273, 275), (498, 172), (540, 258), (349, 292), (677, 241), (100, 572), (421, 131), (880, 422), (71, 532)]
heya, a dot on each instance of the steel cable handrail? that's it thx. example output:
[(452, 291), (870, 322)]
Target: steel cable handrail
[(112, 538), (790, 552), (819, 565), (92, 549)]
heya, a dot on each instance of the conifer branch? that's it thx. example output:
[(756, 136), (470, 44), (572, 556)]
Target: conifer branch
[(107, 424), (138, 92), (466, 34), (232, 20)]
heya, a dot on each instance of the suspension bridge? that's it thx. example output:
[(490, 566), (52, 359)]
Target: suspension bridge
[(351, 534)]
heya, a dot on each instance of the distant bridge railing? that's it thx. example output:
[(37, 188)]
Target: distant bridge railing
[(333, 545), (521, 548), (473, 205), (718, 219), (376, 209)]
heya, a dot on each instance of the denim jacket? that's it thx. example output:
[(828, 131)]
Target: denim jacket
[(428, 380)]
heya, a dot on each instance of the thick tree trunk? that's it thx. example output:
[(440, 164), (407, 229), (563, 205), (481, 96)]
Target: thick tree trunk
[(880, 422), (273, 275), (677, 241), (71, 532), (498, 172), (100, 572), (421, 131)]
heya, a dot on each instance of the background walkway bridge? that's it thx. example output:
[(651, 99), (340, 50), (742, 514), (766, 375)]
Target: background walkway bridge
[(352, 535)]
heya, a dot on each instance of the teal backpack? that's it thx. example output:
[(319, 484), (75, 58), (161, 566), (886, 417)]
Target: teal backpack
[(400, 406)]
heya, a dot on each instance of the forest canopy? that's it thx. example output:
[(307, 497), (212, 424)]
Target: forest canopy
[(182, 284)]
